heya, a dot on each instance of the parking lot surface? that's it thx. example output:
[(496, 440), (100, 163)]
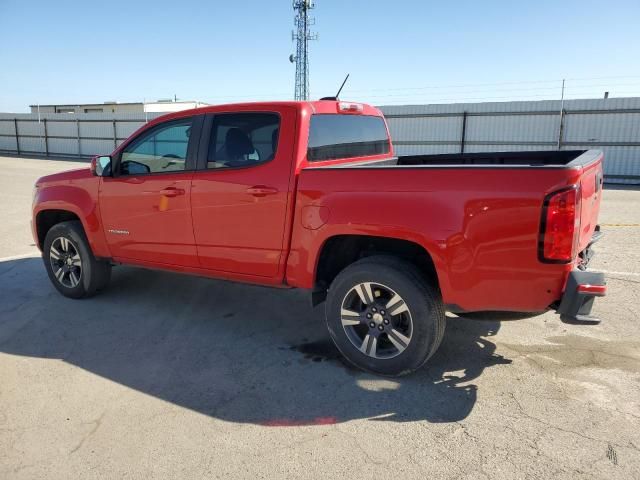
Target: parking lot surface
[(171, 376)]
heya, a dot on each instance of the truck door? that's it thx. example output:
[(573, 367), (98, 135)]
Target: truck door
[(146, 205), (240, 191)]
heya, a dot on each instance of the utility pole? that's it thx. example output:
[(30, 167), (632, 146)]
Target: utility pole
[(301, 36), (560, 127)]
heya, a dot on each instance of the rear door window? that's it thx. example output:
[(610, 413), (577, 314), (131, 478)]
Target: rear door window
[(243, 139), (333, 136)]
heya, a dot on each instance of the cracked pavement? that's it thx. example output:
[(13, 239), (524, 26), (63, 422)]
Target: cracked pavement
[(170, 376)]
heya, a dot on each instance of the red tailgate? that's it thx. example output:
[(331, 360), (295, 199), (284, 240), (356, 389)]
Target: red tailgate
[(591, 193)]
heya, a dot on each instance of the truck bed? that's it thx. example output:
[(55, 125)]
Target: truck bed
[(544, 159), (539, 158), (478, 216)]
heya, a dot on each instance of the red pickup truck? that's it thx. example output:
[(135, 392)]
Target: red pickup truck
[(310, 195)]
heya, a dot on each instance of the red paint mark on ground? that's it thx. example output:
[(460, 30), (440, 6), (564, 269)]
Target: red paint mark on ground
[(285, 422)]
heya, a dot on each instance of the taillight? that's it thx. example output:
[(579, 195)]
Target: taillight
[(347, 107), (560, 226)]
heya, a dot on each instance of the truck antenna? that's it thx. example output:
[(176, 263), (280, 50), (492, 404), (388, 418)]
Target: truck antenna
[(339, 90), (341, 86)]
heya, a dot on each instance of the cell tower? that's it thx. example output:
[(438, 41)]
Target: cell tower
[(301, 36)]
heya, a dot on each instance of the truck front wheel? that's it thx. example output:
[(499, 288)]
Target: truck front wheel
[(70, 263), (384, 316)]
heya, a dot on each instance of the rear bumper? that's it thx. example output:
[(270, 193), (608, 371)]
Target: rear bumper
[(577, 301)]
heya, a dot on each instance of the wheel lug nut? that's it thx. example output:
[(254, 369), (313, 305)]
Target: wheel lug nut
[(386, 321), (374, 309), (381, 312), (368, 315), (372, 324), (380, 327)]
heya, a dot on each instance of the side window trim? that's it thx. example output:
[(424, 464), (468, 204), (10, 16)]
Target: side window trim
[(208, 130), (192, 147), (205, 137), (194, 143)]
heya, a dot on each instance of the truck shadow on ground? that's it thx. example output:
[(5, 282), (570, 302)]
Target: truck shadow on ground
[(235, 352)]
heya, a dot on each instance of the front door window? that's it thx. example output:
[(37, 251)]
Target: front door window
[(163, 149)]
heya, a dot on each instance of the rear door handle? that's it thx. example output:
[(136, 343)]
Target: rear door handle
[(171, 192), (261, 191)]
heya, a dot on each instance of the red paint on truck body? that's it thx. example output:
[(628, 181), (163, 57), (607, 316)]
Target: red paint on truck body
[(267, 224), (483, 242)]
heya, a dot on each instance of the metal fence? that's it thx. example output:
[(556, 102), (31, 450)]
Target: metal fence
[(612, 125), (67, 135)]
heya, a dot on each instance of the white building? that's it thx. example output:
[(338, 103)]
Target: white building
[(116, 107)]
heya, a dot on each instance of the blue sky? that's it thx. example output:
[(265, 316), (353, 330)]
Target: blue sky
[(396, 51)]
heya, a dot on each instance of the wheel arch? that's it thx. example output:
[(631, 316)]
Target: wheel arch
[(58, 203), (339, 251), (47, 218)]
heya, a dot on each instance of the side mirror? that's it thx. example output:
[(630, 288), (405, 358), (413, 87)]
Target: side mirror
[(101, 166)]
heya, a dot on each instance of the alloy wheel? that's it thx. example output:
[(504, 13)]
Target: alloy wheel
[(66, 263), (376, 320)]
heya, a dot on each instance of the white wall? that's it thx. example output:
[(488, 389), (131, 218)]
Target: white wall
[(171, 106)]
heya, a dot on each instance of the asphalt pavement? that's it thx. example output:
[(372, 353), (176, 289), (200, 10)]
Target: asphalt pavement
[(171, 376)]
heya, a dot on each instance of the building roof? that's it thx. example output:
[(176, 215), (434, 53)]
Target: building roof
[(113, 103)]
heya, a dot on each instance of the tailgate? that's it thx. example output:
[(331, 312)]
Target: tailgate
[(591, 195)]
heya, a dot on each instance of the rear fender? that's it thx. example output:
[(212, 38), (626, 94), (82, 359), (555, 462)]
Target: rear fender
[(302, 265)]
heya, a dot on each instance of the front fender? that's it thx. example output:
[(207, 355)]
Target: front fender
[(80, 199)]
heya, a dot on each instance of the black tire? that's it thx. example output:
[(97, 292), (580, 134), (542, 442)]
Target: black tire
[(81, 278), (387, 276)]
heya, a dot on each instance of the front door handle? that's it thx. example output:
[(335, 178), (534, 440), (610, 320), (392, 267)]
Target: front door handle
[(171, 192), (261, 191)]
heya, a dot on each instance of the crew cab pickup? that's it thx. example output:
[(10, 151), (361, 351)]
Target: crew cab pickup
[(310, 195)]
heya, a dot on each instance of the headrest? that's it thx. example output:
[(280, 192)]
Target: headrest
[(238, 143)]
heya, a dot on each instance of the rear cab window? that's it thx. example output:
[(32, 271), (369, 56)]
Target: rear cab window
[(336, 136), (243, 139)]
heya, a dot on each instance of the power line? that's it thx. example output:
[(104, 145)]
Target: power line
[(557, 81), (416, 101), (582, 88), (577, 87), (569, 86), (513, 93)]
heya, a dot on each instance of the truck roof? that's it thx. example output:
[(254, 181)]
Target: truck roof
[(314, 107)]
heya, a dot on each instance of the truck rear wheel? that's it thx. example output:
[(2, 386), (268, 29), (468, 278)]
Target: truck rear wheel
[(384, 316), (70, 263)]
